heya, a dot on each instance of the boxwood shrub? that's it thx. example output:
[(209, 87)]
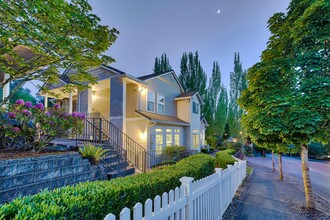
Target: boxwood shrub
[(94, 200), (224, 158)]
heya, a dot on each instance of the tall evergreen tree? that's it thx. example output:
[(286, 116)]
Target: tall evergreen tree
[(237, 85), (215, 108), (162, 64), (192, 76)]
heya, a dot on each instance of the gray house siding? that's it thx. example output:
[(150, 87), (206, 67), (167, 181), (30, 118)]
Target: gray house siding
[(169, 91)]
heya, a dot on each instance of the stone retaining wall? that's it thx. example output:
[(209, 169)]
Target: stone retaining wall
[(28, 176)]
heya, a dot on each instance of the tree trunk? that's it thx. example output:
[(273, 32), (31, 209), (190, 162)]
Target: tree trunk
[(273, 161), (280, 166), (310, 203)]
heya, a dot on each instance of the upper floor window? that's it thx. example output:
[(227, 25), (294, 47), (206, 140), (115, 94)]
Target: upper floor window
[(160, 104), (195, 108), (151, 101)]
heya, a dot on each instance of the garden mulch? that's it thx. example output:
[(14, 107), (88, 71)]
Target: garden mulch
[(20, 153)]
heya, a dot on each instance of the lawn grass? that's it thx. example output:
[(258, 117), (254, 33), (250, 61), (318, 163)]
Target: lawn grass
[(249, 170)]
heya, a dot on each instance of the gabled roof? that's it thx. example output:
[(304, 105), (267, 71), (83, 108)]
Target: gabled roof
[(189, 95), (203, 119), (146, 77), (165, 119), (154, 75)]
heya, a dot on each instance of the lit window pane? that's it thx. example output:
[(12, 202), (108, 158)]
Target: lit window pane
[(168, 130), (159, 144), (176, 139), (169, 140), (159, 130)]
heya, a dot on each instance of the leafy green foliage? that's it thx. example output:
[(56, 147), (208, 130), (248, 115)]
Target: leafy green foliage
[(22, 93), (31, 127), (224, 158), (39, 38), (162, 64), (174, 152), (94, 200), (93, 153)]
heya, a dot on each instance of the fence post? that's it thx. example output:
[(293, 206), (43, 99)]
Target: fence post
[(218, 171), (236, 175), (229, 167), (186, 182)]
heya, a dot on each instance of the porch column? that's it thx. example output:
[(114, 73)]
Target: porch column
[(70, 103), (90, 101), (46, 101), (6, 89), (124, 107)]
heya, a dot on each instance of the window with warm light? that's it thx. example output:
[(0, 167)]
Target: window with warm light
[(176, 137), (195, 141), (160, 104), (159, 141), (151, 101), (168, 137)]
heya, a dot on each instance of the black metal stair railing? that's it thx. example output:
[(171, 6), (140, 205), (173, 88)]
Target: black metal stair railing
[(92, 134), (136, 154)]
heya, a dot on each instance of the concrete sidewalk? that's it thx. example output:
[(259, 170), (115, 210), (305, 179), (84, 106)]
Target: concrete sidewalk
[(266, 197)]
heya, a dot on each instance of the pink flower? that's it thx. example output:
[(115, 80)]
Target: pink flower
[(75, 114), (26, 112), (48, 114), (83, 116), (20, 102), (57, 106), (16, 129), (39, 106), (11, 115), (28, 104)]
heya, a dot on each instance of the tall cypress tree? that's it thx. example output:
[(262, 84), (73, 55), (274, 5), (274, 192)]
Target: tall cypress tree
[(162, 64), (192, 76), (237, 85)]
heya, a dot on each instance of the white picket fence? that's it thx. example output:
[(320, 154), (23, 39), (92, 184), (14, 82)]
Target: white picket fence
[(204, 199)]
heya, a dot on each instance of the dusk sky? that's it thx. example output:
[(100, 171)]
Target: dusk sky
[(149, 28)]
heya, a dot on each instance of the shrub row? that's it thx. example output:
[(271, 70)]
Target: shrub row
[(224, 158), (94, 200)]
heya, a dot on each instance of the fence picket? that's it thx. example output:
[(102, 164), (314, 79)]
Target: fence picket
[(125, 214), (157, 207), (137, 211), (204, 199), (148, 209)]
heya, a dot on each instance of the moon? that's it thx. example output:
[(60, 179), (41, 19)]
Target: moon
[(219, 11)]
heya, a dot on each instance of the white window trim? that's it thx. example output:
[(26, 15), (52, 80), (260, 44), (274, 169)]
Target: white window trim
[(162, 104), (148, 100)]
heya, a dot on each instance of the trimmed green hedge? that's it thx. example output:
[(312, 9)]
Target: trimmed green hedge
[(94, 200), (224, 158)]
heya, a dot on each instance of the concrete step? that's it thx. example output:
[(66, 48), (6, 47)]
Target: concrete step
[(127, 172)]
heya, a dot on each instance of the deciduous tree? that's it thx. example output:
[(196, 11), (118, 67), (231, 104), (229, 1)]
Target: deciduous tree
[(38, 38)]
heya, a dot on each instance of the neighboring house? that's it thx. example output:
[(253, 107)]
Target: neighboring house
[(153, 110)]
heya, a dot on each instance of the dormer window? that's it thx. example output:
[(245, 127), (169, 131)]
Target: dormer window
[(195, 108), (151, 101), (160, 104)]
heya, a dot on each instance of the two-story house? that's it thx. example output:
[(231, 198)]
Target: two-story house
[(153, 110)]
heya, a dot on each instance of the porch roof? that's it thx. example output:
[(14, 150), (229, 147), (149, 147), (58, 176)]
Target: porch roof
[(165, 119)]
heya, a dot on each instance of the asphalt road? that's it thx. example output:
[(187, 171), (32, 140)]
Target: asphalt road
[(319, 172)]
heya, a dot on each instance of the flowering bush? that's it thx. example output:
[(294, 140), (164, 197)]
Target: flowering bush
[(25, 125)]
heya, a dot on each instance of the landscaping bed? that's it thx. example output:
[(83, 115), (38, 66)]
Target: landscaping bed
[(20, 153)]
